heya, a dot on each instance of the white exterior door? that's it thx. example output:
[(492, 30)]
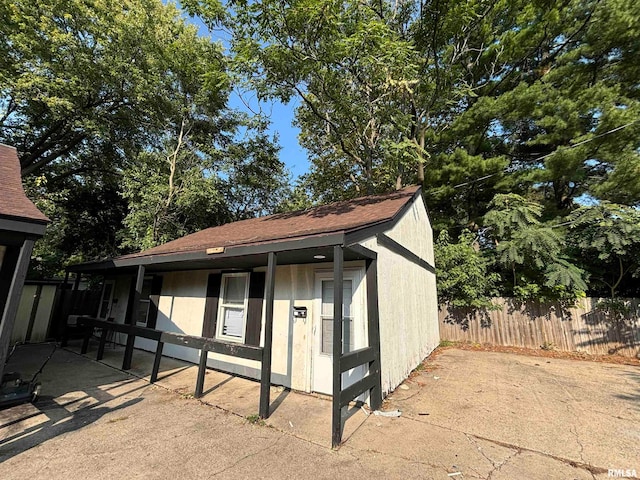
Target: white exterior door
[(353, 333)]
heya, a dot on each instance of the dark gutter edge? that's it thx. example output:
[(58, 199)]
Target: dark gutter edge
[(230, 252), (43, 282), (401, 250), (19, 218), (90, 266), (23, 226), (363, 252)]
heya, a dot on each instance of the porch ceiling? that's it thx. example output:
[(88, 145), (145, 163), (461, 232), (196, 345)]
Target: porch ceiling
[(228, 262)]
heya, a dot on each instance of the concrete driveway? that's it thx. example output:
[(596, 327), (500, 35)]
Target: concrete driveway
[(465, 415)]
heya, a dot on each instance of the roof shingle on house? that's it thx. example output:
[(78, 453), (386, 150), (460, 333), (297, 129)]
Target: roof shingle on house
[(347, 216), (14, 203)]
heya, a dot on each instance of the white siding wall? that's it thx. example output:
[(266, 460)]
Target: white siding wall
[(180, 310), (407, 298)]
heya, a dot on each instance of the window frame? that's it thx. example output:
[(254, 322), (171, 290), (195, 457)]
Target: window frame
[(357, 275), (139, 321), (346, 347), (109, 300), (222, 304)]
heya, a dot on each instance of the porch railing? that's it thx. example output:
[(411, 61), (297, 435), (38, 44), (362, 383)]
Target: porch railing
[(204, 344)]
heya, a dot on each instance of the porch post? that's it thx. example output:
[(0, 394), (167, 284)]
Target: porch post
[(74, 292), (132, 308), (202, 370), (336, 410), (265, 370), (13, 300), (62, 312), (156, 362), (374, 332)]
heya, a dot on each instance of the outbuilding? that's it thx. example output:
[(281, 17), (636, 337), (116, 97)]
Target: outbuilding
[(281, 284), (21, 223)]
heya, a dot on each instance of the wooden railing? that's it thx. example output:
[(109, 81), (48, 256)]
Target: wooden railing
[(204, 344)]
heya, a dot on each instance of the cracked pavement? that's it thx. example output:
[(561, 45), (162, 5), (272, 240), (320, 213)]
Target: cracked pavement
[(467, 415)]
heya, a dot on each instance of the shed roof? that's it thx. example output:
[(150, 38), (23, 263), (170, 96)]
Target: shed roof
[(341, 217), (13, 201)]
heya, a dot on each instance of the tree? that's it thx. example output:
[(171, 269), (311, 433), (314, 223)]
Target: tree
[(608, 239), (168, 196), (80, 79), (86, 216), (257, 182), (561, 104), (530, 253), (478, 100), (352, 71), (179, 190), (119, 113), (496, 97), (464, 272)]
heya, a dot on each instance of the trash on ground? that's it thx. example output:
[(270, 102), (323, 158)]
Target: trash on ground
[(454, 474), (391, 413), (404, 387)]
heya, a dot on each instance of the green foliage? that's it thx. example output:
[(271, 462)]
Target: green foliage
[(352, 71), (83, 214), (119, 114), (157, 212), (531, 252), (616, 310), (464, 278), (608, 237), (298, 198), (176, 191), (513, 114), (83, 79), (477, 99), (255, 419)]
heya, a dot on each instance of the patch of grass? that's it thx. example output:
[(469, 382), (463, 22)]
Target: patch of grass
[(256, 420), (548, 346), (447, 343)]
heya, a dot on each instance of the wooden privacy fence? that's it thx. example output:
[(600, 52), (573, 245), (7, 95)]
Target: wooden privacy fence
[(579, 328)]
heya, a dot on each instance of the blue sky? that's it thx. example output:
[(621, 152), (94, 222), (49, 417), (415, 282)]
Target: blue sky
[(281, 115)]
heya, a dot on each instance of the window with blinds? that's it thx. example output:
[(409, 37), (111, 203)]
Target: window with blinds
[(232, 311), (326, 315)]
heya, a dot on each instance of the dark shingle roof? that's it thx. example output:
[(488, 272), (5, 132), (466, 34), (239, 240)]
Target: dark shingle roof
[(13, 201), (347, 216)]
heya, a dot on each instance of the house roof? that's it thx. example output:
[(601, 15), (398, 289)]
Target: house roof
[(341, 217), (13, 201)]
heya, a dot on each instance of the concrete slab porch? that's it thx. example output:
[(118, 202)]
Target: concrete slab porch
[(307, 416)]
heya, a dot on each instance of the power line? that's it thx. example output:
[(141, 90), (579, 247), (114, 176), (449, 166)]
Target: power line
[(552, 153)]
